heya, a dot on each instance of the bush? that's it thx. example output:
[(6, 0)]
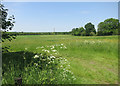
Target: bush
[(46, 67), (92, 34), (83, 33)]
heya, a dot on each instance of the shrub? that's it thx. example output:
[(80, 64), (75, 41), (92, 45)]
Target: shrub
[(92, 34), (46, 67)]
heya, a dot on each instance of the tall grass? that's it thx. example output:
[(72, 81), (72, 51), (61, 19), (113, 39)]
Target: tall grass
[(93, 60)]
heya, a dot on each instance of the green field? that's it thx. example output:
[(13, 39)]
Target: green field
[(93, 59)]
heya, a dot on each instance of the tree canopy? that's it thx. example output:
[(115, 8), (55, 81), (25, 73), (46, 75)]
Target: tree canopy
[(108, 27), (89, 27), (6, 23), (77, 31)]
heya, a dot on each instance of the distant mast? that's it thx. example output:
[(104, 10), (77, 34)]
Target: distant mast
[(54, 31)]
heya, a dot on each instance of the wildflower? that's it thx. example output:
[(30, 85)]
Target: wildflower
[(24, 58), (25, 48), (74, 79), (53, 47), (65, 59), (65, 47), (60, 47), (61, 44), (42, 47), (68, 65), (92, 42), (99, 41), (47, 46), (37, 47), (36, 56), (85, 41), (54, 50), (55, 53), (45, 50), (66, 70), (35, 64), (48, 51), (61, 66), (52, 56)]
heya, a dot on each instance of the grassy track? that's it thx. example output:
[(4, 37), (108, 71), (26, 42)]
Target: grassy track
[(93, 60)]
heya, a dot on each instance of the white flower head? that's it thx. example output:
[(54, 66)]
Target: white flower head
[(42, 47), (61, 66), (36, 64), (55, 53), (52, 57), (61, 44), (47, 51), (54, 50), (37, 47), (36, 56)]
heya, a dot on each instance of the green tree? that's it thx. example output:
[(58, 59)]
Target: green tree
[(80, 30), (83, 33), (108, 27), (73, 31), (77, 31), (89, 27), (6, 24)]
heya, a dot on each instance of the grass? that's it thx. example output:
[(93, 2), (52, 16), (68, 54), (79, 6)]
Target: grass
[(93, 60)]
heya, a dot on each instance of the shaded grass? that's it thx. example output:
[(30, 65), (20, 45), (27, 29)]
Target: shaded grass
[(91, 63)]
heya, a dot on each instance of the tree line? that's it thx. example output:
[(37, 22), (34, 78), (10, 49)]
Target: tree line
[(38, 33), (108, 27)]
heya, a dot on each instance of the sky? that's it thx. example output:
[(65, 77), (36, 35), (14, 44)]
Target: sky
[(61, 16)]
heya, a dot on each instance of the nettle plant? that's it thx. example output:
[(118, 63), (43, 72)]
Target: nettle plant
[(48, 68)]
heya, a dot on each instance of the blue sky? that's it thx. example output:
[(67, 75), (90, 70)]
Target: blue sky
[(63, 16)]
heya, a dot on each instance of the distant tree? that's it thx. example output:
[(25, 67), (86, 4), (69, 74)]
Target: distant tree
[(108, 27), (89, 27), (80, 30), (6, 24), (77, 31), (92, 34), (73, 31), (83, 33)]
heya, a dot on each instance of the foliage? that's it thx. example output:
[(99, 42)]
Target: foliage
[(46, 67), (92, 34), (93, 60), (108, 27), (38, 33), (88, 31), (77, 31), (89, 27), (6, 25)]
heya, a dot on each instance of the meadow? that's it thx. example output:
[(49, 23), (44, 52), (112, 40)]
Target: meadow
[(91, 59)]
